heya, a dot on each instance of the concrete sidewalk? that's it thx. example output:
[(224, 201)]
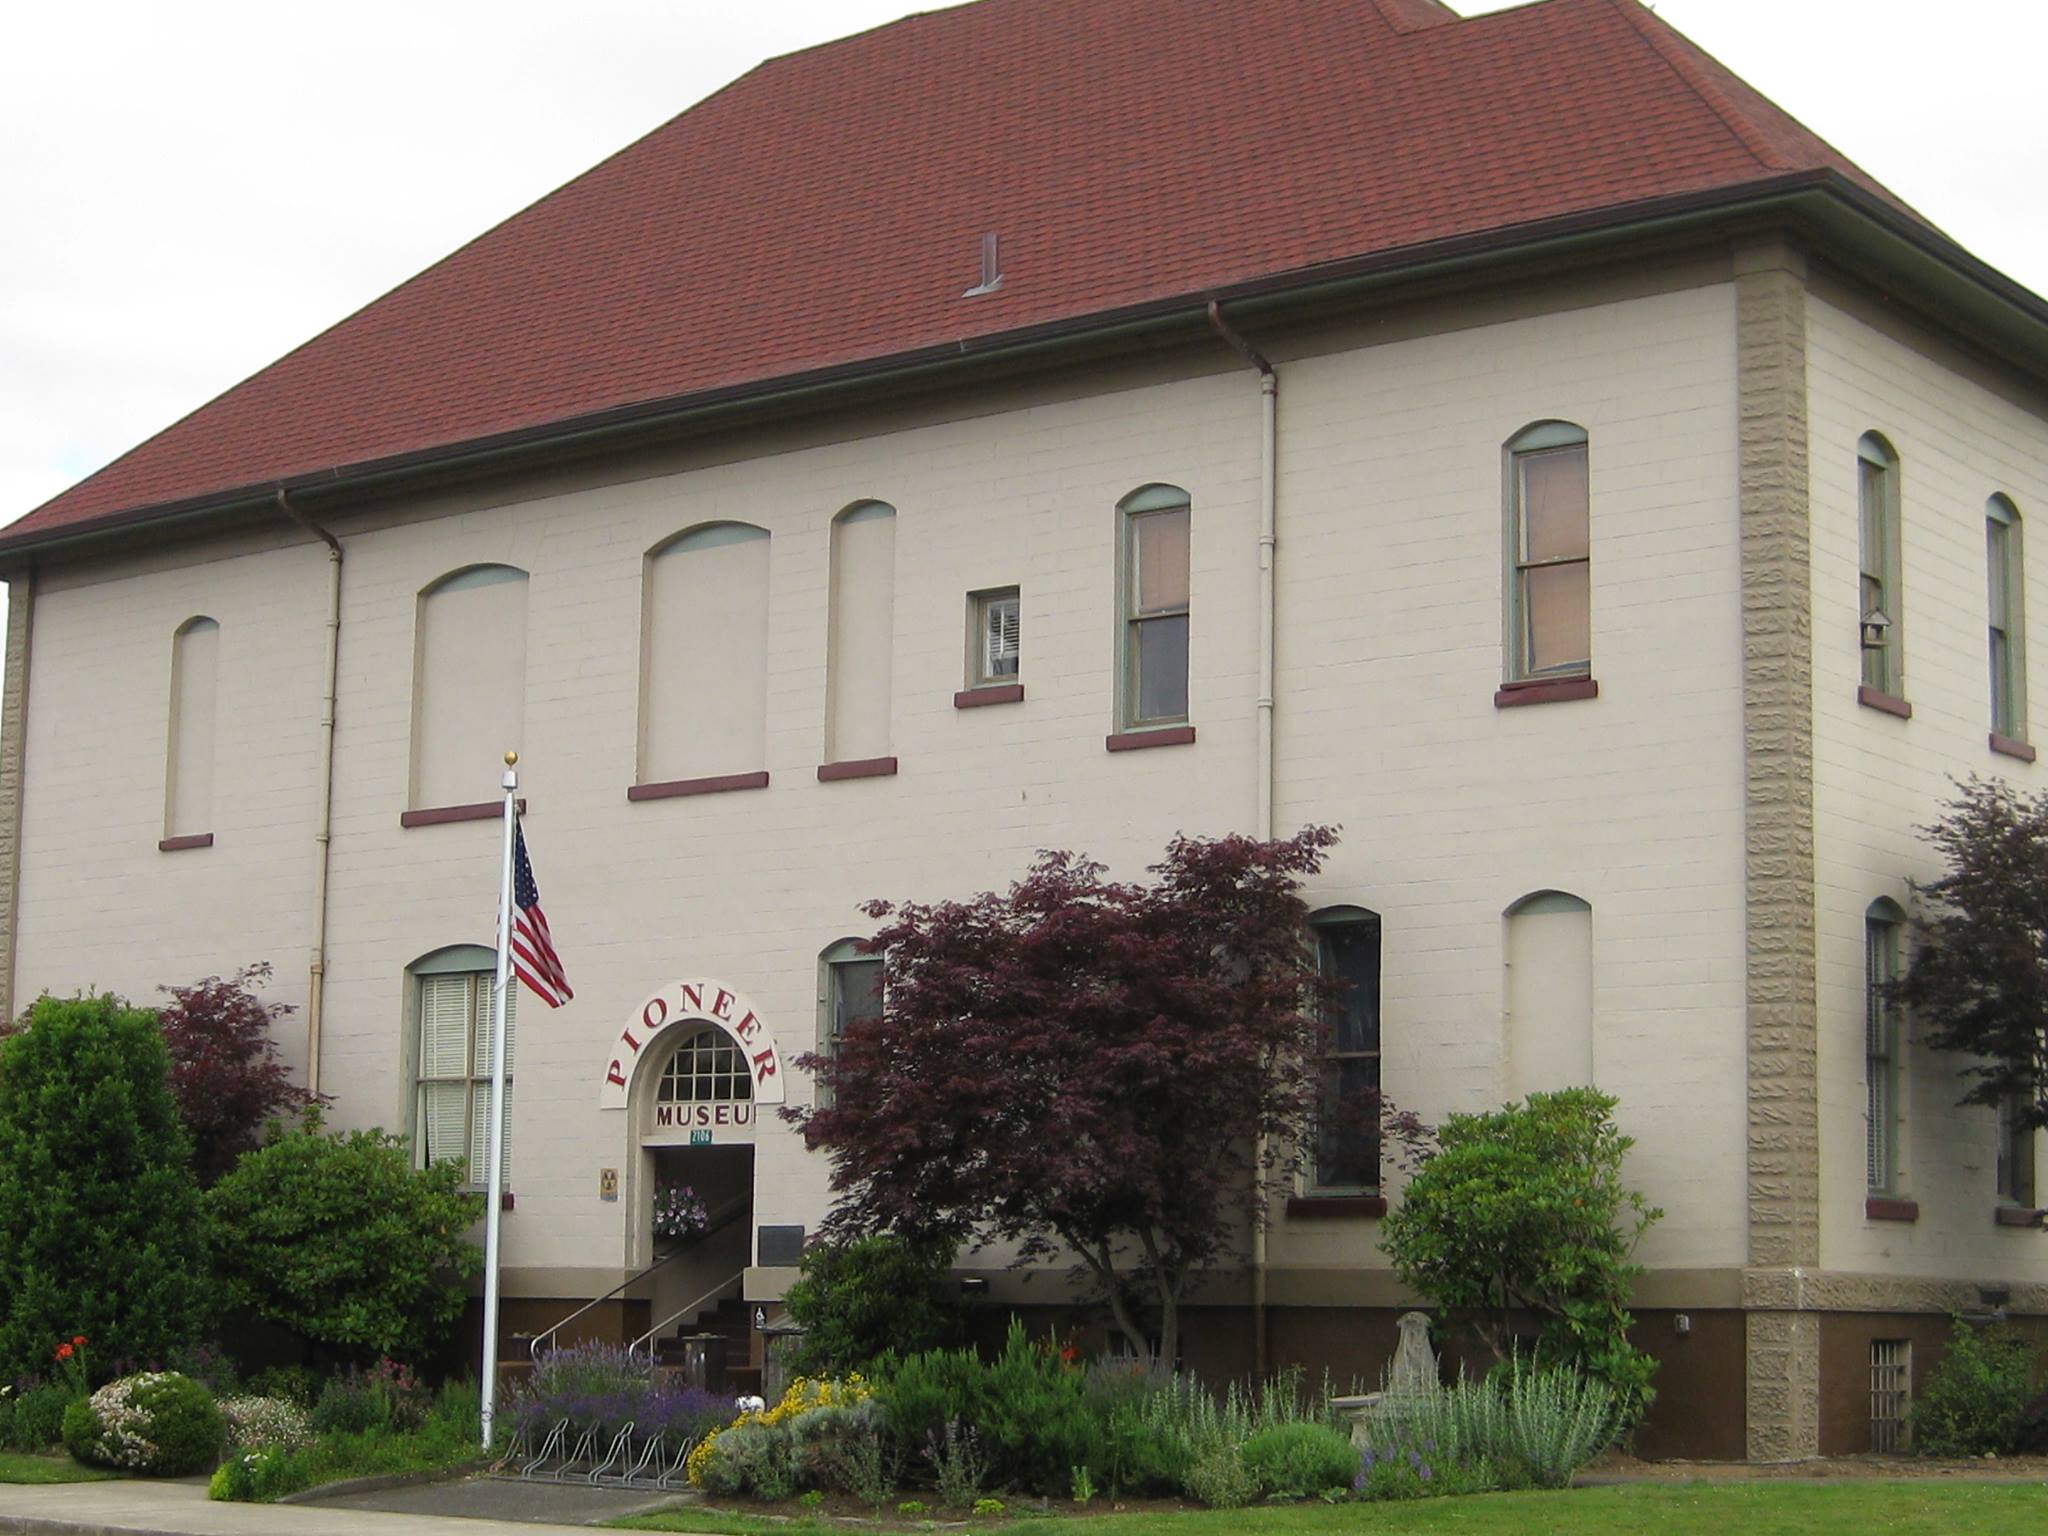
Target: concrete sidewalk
[(142, 1508)]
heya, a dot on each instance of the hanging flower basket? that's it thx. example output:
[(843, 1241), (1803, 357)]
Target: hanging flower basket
[(678, 1213)]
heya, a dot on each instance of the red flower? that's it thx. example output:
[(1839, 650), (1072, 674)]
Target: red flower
[(78, 1339), (1070, 1354), (63, 1351)]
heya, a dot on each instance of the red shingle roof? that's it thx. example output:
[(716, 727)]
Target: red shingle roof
[(828, 207)]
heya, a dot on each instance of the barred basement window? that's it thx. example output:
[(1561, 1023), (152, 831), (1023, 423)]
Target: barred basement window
[(1891, 1392)]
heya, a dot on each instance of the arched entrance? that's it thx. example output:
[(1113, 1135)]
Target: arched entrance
[(698, 1075)]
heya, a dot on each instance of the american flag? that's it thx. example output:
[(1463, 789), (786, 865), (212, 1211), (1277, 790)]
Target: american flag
[(533, 950)]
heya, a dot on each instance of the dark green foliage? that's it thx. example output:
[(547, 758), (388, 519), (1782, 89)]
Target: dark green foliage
[(861, 1299), (387, 1398), (38, 1418), (1522, 1212), (1301, 1461), (298, 1384), (343, 1241), (1975, 1400), (924, 1393), (99, 1215), (173, 1413)]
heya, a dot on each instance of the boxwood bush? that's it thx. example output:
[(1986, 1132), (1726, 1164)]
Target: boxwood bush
[(158, 1423)]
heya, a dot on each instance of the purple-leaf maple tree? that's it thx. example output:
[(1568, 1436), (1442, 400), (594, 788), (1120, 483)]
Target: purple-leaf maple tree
[(225, 1073), (1120, 1071)]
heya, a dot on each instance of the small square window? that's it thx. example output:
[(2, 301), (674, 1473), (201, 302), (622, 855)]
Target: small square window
[(994, 638)]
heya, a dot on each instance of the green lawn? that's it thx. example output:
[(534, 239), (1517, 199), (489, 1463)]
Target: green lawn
[(1657, 1509), (18, 1468)]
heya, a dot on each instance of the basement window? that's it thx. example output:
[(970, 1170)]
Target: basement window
[(1891, 1392)]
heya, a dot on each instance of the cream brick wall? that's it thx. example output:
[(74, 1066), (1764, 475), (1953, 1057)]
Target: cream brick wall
[(1389, 653), (1879, 778)]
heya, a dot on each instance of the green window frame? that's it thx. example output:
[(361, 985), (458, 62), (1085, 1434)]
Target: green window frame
[(1883, 953), (2006, 610), (1880, 603), (1154, 582), (451, 1017), (1345, 1157), (850, 988), (1549, 567)]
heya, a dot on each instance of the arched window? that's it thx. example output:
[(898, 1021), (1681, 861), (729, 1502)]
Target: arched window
[(1884, 927), (1347, 1151), (469, 684), (1880, 603), (862, 638), (451, 994), (707, 1068), (849, 994), (189, 757), (1549, 543), (1152, 685), (2005, 573), (704, 655), (1549, 993)]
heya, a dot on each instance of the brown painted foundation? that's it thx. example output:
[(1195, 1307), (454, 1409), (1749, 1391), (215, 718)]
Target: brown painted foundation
[(1845, 1345)]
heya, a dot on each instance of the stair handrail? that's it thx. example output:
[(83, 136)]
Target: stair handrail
[(718, 1223), (688, 1311)]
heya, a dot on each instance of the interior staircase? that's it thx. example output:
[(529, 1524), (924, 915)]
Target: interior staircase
[(730, 1322)]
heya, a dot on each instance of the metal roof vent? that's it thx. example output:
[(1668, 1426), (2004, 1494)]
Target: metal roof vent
[(991, 268)]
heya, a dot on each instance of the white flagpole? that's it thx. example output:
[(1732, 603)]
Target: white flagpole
[(496, 1183)]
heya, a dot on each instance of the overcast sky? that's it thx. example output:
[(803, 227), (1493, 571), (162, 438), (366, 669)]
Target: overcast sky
[(192, 189)]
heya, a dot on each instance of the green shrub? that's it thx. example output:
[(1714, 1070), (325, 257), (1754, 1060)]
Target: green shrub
[(343, 1241), (1036, 1424), (386, 1398), (1975, 1400), (1522, 1211), (1520, 1427), (858, 1301), (299, 1384), (1299, 1461), (1220, 1479), (759, 1459), (921, 1395), (38, 1418), (159, 1423), (262, 1475), (99, 1214)]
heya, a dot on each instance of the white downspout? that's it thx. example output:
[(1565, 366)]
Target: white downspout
[(316, 983), (1269, 487)]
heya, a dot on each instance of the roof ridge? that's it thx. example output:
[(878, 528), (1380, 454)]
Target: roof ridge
[(1661, 37)]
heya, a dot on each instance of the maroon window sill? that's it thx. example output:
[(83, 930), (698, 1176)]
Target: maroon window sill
[(1545, 690), (993, 693), (189, 840), (1335, 1207), (1138, 741), (1877, 698), (858, 768), (2016, 1216), (483, 810), (504, 1196), (2011, 747), (715, 784), (1884, 1208)]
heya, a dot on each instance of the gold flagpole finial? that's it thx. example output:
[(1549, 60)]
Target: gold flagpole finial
[(511, 759)]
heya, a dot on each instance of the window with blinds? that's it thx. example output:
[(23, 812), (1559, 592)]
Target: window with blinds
[(1156, 606), (454, 1114), (1347, 1143), (1880, 1046), (1550, 586), (995, 641)]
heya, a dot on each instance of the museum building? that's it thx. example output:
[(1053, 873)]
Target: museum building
[(1066, 423)]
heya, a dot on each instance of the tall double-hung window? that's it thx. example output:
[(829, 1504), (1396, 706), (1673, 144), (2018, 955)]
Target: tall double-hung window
[(1347, 1149), (1878, 595), (1153, 689), (849, 994), (1883, 952), (453, 1115), (1550, 569), (2006, 607)]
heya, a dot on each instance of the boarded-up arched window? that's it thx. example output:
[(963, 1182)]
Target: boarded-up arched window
[(195, 690), (704, 655), (1549, 993), (469, 684), (862, 633)]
